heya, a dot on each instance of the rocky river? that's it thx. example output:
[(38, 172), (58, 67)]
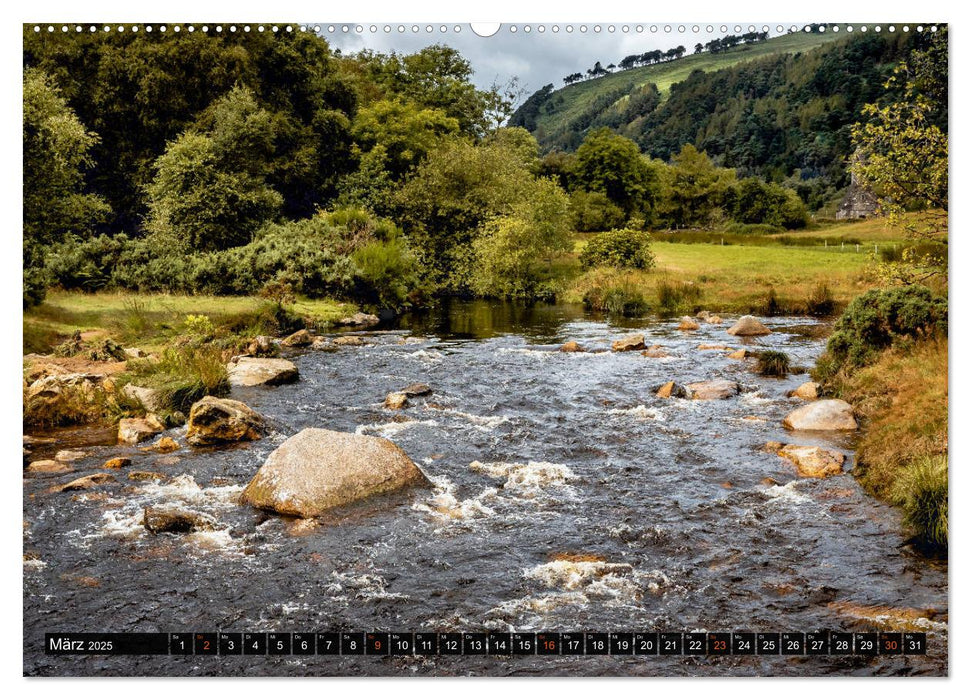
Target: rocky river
[(565, 496)]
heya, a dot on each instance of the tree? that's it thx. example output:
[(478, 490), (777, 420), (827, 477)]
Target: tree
[(902, 155), (404, 131), (512, 250), (613, 165), (57, 151), (699, 47), (452, 193), (210, 191), (695, 187)]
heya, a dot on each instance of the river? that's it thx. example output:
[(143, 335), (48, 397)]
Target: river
[(566, 497)]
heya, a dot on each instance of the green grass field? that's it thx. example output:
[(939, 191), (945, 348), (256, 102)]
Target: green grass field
[(148, 319), (579, 97)]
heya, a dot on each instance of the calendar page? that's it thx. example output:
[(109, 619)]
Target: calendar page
[(516, 349)]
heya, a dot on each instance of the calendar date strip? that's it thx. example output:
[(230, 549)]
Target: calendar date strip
[(487, 643)]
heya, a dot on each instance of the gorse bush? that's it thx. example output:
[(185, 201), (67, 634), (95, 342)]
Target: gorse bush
[(879, 319), (624, 248), (922, 491), (85, 264)]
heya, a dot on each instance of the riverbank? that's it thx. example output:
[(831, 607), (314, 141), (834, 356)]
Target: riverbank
[(902, 453)]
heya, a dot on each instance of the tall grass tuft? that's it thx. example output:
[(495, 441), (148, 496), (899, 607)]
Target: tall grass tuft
[(922, 491), (182, 376), (772, 363), (677, 296), (820, 301)]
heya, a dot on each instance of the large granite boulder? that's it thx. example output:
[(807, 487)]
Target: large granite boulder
[(256, 371), (808, 390), (214, 421), (827, 414), (318, 469), (300, 339), (747, 326)]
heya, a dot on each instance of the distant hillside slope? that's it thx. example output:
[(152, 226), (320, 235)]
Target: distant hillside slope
[(571, 102), (780, 109)]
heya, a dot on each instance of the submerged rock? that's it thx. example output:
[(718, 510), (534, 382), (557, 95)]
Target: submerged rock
[(747, 326), (360, 319), (158, 519), (571, 346), (164, 445), (215, 421), (300, 339), (349, 340), (256, 371), (396, 400), (416, 389), (814, 462), (688, 324), (740, 354), (713, 346), (143, 475), (635, 341), (318, 469), (135, 430), (85, 482), (656, 351), (827, 414), (70, 455), (712, 390), (809, 390)]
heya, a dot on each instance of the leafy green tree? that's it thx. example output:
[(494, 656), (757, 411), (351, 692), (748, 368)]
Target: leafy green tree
[(210, 191), (695, 188), (613, 165), (755, 202), (513, 250), (902, 155), (405, 131), (57, 151), (140, 91), (452, 193)]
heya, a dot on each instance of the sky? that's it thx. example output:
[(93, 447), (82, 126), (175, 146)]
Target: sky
[(535, 58)]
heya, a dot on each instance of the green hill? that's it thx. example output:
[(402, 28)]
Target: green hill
[(564, 106)]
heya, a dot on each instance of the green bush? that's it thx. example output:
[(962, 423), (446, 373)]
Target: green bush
[(85, 264), (622, 248), (772, 363), (387, 273), (922, 492), (879, 319)]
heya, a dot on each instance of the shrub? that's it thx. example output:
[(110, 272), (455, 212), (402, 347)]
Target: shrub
[(200, 326), (182, 376), (879, 319), (677, 296), (619, 298), (85, 264), (922, 491), (772, 306), (772, 363), (623, 248), (387, 273)]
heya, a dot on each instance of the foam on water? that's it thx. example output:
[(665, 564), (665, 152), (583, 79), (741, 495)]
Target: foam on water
[(388, 430), (445, 506), (526, 479), (641, 412)]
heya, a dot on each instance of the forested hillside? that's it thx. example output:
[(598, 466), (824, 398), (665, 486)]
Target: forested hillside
[(781, 109)]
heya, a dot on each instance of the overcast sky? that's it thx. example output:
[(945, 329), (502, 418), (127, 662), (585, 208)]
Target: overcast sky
[(535, 58)]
